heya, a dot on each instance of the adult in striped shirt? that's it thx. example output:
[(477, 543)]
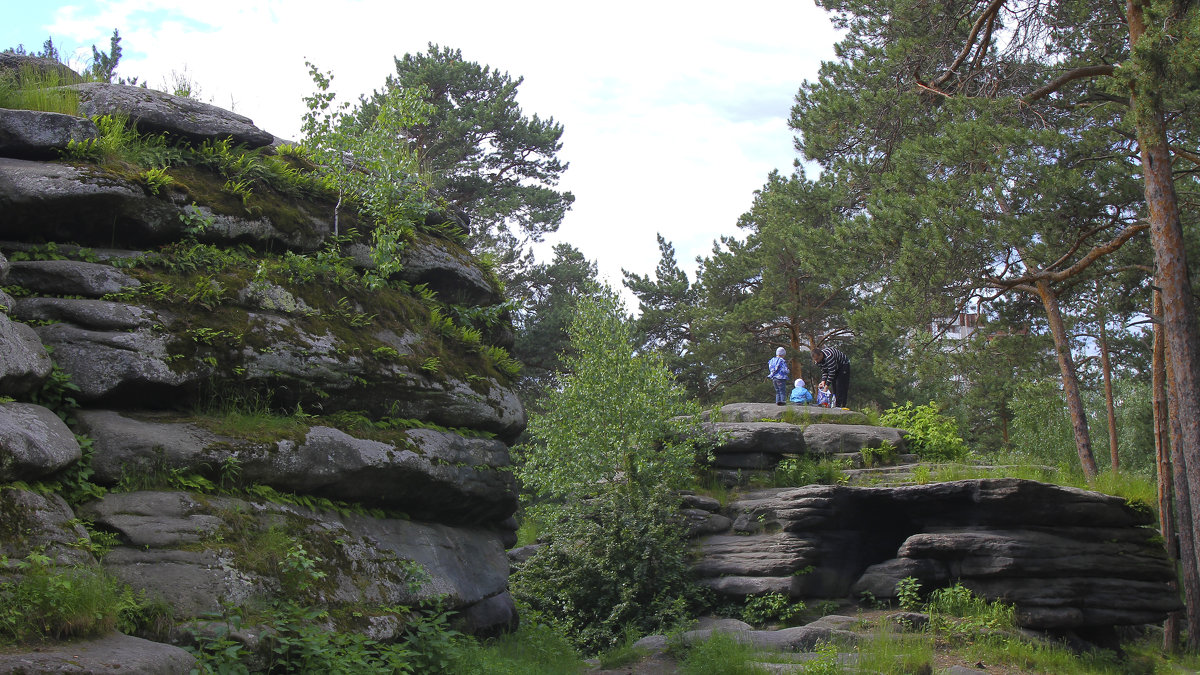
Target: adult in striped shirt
[(835, 372)]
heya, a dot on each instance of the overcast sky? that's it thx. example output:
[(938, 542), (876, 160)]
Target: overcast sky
[(674, 112)]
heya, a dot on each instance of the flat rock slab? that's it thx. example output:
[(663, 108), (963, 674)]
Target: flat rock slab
[(114, 653), (835, 438), (69, 277), (159, 112), (794, 414), (755, 437), (32, 134)]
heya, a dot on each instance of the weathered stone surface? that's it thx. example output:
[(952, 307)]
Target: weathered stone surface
[(700, 521), (1067, 558), (835, 438), (132, 366), (154, 519), (109, 654), (159, 112), (755, 437), (795, 639), (101, 315), (449, 270), (31, 134), (366, 559), (45, 201), (34, 442), (435, 475), (57, 202), (769, 412), (307, 233), (24, 363), (69, 277), (44, 523)]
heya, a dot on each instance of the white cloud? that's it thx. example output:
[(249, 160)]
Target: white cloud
[(674, 112)]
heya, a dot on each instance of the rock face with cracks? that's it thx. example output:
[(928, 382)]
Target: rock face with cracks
[(215, 362), (1068, 559)]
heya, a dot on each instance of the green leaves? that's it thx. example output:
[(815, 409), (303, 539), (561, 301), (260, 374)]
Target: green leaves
[(610, 420)]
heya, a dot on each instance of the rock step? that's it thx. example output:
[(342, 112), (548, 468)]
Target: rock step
[(855, 459)]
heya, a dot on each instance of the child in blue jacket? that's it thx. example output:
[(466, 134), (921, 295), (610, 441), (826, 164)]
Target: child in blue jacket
[(778, 374), (800, 394)]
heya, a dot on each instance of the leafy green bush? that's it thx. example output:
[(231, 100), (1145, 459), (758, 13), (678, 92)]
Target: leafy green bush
[(881, 456), (908, 593), (931, 435), (771, 607), (800, 471), (618, 562)]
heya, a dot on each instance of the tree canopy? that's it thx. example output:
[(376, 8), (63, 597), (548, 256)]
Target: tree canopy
[(483, 154)]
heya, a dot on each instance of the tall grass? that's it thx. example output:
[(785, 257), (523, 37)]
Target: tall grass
[(720, 654), (57, 603), (533, 648), (31, 88)]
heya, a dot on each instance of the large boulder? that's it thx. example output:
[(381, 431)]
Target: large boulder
[(102, 315), (24, 363), (69, 277), (156, 112), (1067, 558), (40, 523), (841, 438), (45, 201), (34, 442), (31, 134), (449, 270), (59, 202)]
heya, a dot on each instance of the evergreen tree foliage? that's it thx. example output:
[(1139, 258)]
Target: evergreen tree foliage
[(790, 283), (547, 294), (104, 64), (668, 313), (486, 157)]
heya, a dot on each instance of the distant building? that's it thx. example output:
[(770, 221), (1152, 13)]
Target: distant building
[(959, 327)]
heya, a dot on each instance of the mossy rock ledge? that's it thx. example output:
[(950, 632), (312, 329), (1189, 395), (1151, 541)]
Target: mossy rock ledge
[(236, 399)]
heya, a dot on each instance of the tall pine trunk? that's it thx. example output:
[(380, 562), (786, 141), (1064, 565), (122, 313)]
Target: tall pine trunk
[(1179, 314), (1062, 345), (1162, 454), (1106, 369)]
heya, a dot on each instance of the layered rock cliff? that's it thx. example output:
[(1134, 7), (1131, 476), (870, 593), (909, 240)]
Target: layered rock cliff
[(197, 337)]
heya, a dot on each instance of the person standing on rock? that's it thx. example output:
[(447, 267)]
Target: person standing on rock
[(778, 373), (835, 371)]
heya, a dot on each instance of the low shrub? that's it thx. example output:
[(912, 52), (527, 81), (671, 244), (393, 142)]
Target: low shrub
[(931, 435)]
